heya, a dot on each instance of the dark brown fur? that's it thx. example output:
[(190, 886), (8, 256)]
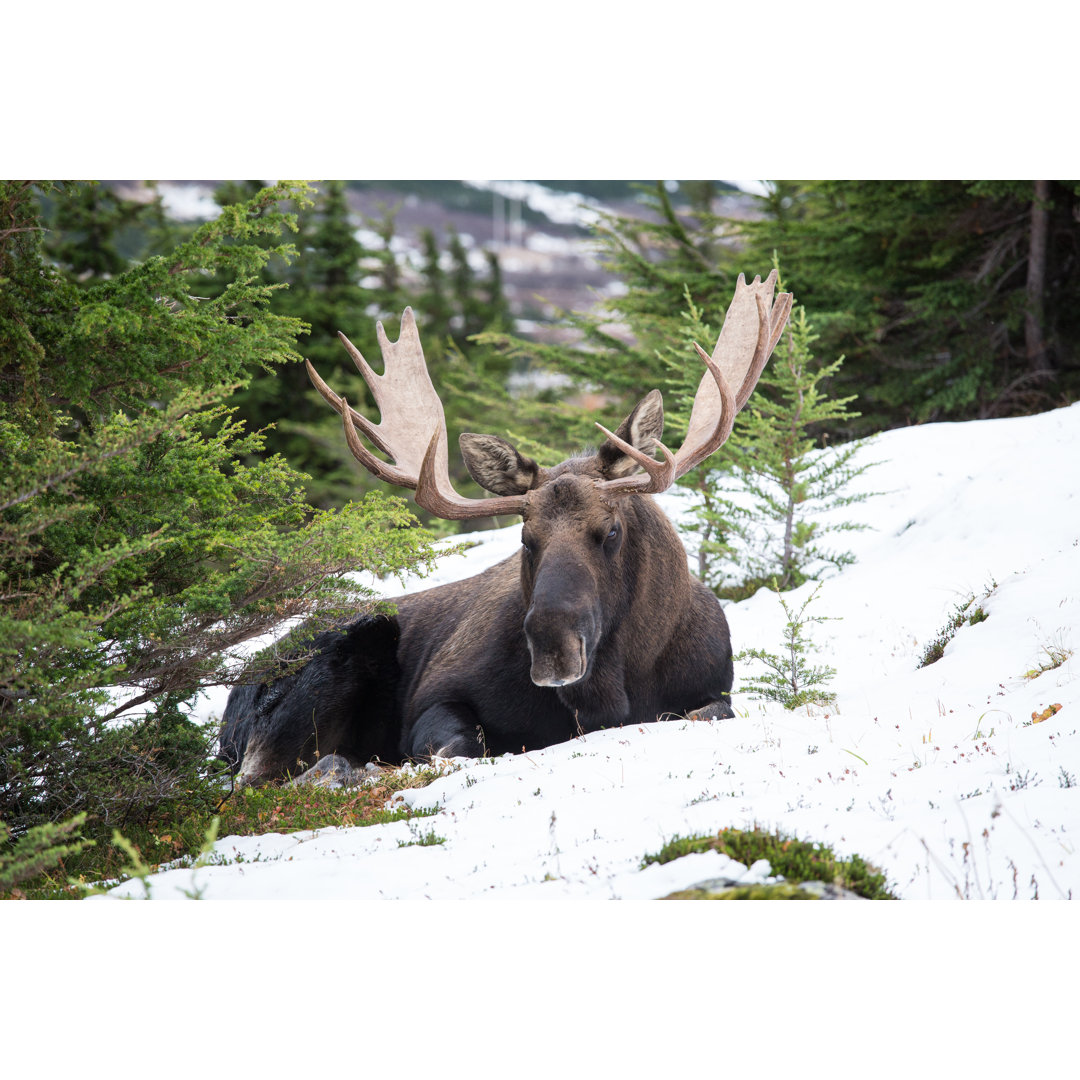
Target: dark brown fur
[(596, 623)]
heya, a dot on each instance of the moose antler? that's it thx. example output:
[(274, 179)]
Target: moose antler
[(751, 329), (412, 427)]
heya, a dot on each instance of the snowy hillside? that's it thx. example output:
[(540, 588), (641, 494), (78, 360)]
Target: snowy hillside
[(938, 775)]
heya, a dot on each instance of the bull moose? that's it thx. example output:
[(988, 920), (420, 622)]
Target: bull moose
[(594, 623)]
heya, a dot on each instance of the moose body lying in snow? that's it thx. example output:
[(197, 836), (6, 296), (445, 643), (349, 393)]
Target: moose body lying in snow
[(596, 622)]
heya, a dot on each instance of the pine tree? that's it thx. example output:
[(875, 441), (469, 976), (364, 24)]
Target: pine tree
[(325, 294), (143, 532), (790, 677), (950, 299), (94, 233), (624, 345), (783, 485)]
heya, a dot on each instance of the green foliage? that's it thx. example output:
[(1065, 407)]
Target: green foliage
[(624, 346), (180, 835), (95, 233), (940, 293), (786, 481), (758, 503), (143, 531), (795, 860), (791, 678), (965, 613), (423, 839), (337, 283), (37, 851), (291, 808)]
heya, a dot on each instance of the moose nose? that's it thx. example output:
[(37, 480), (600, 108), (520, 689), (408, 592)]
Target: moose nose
[(560, 638), (560, 666), (562, 625)]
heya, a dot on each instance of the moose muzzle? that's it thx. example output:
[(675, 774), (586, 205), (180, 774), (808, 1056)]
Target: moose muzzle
[(562, 628)]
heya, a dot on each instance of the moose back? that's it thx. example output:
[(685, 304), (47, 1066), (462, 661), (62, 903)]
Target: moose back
[(594, 623)]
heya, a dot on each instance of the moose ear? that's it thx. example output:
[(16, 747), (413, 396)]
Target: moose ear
[(643, 429), (496, 466)]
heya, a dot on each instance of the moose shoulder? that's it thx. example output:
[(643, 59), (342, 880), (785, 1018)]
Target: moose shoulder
[(594, 623)]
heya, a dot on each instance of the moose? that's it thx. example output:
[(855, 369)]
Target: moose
[(595, 622)]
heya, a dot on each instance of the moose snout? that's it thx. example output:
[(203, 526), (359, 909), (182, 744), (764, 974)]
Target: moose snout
[(559, 647)]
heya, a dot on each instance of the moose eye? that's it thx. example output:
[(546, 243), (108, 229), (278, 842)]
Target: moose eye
[(611, 540)]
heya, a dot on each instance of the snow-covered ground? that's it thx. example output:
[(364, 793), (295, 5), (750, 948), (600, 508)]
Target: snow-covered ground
[(938, 775)]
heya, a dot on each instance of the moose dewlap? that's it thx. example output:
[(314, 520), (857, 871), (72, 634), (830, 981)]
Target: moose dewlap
[(594, 623)]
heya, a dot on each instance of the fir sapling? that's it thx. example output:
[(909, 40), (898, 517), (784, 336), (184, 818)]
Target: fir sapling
[(790, 677), (764, 510)]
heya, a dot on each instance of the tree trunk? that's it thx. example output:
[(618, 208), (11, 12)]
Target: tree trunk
[(1038, 361)]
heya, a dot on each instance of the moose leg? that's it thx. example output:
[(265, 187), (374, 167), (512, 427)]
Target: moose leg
[(445, 730)]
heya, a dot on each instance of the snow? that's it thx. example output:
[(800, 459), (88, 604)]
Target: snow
[(560, 207), (189, 202), (937, 775)]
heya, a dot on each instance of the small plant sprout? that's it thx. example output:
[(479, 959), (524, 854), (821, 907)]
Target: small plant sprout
[(205, 853), (136, 868), (1055, 654), (422, 839), (791, 678)]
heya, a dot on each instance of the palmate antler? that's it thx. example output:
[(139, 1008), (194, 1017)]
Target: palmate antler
[(412, 425)]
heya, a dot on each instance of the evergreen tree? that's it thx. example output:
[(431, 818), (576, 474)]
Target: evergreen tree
[(761, 503), (324, 292), (142, 531), (626, 342), (790, 677), (94, 233), (788, 485), (950, 299)]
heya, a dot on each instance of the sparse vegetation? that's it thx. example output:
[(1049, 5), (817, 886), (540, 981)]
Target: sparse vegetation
[(70, 873), (790, 677), (423, 839), (796, 861), (965, 613), (1056, 655)]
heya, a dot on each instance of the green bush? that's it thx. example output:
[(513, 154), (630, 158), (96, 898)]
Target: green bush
[(143, 531), (795, 860)]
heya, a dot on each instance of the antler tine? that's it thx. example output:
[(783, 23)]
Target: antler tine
[(381, 469), (362, 365), (336, 403), (659, 475)]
